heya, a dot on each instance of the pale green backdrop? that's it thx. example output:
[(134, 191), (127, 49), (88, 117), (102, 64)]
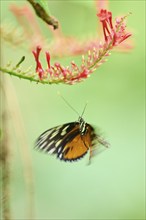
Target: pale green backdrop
[(112, 187)]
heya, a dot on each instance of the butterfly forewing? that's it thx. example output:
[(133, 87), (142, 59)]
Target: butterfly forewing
[(53, 139)]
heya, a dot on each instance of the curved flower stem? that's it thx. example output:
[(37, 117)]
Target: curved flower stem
[(31, 78), (57, 73)]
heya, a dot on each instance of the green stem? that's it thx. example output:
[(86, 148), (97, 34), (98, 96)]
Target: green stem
[(30, 78), (101, 56), (40, 11)]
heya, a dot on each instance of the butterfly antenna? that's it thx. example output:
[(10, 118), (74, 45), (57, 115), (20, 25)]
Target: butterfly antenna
[(84, 109), (68, 104)]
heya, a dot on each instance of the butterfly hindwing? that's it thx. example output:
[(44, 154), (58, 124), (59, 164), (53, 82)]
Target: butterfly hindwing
[(77, 147)]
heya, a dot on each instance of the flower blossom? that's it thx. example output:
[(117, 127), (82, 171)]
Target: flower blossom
[(59, 73), (114, 34), (39, 68)]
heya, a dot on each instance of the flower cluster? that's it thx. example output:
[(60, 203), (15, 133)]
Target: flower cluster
[(59, 73), (114, 34)]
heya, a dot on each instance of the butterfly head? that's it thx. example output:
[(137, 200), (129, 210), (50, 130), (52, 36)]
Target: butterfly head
[(82, 125)]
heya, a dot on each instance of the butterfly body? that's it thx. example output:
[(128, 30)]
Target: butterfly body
[(70, 141)]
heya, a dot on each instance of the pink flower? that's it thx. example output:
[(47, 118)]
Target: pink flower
[(106, 19), (113, 34), (39, 68), (58, 73), (120, 35)]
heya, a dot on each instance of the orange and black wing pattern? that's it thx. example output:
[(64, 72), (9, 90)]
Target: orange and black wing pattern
[(79, 145), (67, 141)]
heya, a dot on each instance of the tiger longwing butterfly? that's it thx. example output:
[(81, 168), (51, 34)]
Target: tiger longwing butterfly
[(70, 141)]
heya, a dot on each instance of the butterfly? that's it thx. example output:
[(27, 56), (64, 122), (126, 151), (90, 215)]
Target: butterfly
[(70, 141)]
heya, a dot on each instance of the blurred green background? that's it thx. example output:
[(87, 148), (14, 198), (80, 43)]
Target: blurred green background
[(112, 187)]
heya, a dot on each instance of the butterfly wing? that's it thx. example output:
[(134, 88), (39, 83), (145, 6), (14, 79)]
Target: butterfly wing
[(67, 141), (79, 145), (50, 140)]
